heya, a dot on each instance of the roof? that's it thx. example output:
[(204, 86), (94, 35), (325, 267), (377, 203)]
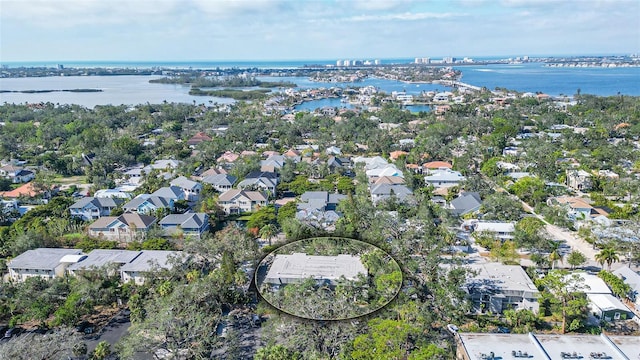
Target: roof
[(128, 219), (389, 180), (501, 277), (251, 195), (593, 284), (444, 175), (186, 221), (495, 226), (27, 189), (171, 192), (607, 302), (213, 171), (184, 183), (573, 202), (466, 202), (157, 201), (302, 266), (41, 258), (630, 278), (145, 260), (437, 165), (101, 257), (399, 190), (220, 179), (102, 202), (548, 346)]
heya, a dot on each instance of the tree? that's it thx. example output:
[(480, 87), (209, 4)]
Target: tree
[(102, 351), (521, 321), (501, 206), (60, 344), (277, 352), (529, 189), (608, 255), (567, 289), (268, 232), (576, 258)]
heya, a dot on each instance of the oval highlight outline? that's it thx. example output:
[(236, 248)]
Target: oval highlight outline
[(393, 276)]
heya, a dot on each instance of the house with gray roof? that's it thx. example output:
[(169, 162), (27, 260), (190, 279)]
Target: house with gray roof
[(381, 192), (465, 203), (320, 200), (99, 258), (444, 178), (146, 261), (496, 287), (220, 182), (125, 228), (190, 188), (92, 208), (148, 204), (297, 267), (190, 224), (632, 279), (275, 161), (260, 180), (171, 192), (47, 263)]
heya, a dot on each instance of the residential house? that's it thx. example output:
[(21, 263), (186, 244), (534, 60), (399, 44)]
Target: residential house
[(380, 192), (579, 180), (100, 258), (163, 165), (112, 193), (228, 158), (47, 263), (577, 208), (125, 228), (148, 204), (189, 224), (210, 172), (295, 268), (444, 178), (190, 188), (335, 163), (318, 208), (260, 180), (198, 138), (220, 182), (395, 155), (236, 201), (274, 161), (632, 279), (496, 287), (500, 230), (435, 165), (387, 170), (333, 150), (602, 303), (465, 203), (17, 174), (91, 208), (147, 261), (174, 193)]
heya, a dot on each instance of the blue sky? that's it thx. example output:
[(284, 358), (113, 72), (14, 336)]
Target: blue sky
[(178, 30)]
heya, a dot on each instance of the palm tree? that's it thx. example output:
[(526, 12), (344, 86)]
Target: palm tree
[(555, 256), (268, 231), (607, 255)]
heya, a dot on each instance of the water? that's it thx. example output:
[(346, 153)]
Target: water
[(532, 77), (130, 90), (116, 90), (320, 103)]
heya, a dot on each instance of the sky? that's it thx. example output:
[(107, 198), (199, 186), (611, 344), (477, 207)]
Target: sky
[(236, 30)]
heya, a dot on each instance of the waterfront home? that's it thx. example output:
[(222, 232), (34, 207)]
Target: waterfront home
[(124, 229), (190, 188), (189, 224), (47, 263), (236, 201), (91, 208)]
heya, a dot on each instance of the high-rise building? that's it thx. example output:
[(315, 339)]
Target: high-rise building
[(339, 63)]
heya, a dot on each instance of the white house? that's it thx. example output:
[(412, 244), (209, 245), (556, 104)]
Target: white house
[(125, 228), (444, 178), (91, 208), (236, 201), (190, 188), (501, 230), (17, 174), (46, 263)]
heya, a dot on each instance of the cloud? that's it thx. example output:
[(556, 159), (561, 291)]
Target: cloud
[(407, 16)]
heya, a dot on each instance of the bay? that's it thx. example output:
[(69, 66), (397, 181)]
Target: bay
[(116, 90), (555, 81)]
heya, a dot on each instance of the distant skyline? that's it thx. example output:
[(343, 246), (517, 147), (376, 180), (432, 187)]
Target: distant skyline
[(250, 30)]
